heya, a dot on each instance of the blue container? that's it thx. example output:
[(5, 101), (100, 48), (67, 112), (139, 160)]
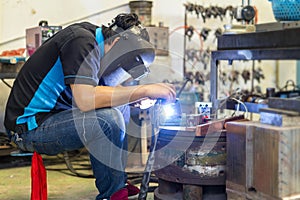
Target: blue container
[(286, 10)]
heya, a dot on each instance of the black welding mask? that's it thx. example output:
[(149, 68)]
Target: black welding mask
[(132, 53)]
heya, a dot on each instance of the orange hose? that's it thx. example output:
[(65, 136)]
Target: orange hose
[(256, 15)]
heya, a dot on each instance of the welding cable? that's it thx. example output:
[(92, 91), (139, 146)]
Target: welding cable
[(72, 169), (138, 179), (147, 173), (240, 102), (6, 83), (144, 188)]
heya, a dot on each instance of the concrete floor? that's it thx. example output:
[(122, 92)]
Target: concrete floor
[(15, 182), (15, 175), (15, 179)]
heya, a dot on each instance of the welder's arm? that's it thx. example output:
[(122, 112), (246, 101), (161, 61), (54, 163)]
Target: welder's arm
[(88, 97)]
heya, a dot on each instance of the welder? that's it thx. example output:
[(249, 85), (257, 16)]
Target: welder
[(68, 96)]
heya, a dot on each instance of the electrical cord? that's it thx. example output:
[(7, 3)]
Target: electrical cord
[(238, 108), (6, 83)]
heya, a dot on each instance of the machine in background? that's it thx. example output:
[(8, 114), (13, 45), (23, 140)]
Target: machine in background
[(36, 36)]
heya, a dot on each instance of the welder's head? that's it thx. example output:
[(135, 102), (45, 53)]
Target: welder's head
[(132, 51)]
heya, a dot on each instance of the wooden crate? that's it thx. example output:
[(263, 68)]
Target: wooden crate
[(263, 159), (239, 192)]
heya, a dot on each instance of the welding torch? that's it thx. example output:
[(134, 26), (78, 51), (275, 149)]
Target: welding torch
[(150, 162)]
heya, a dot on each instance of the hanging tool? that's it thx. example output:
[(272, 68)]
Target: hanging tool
[(189, 31), (258, 74), (246, 75), (204, 33), (199, 10), (234, 76)]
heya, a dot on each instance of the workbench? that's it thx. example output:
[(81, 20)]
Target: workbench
[(10, 66), (10, 71), (282, 44)]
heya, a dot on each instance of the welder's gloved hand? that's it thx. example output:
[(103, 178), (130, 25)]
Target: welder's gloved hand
[(161, 91), (146, 103)]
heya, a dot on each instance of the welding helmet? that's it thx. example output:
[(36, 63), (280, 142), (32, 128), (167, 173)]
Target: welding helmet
[(132, 52)]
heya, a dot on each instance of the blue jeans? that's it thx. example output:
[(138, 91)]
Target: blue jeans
[(101, 131)]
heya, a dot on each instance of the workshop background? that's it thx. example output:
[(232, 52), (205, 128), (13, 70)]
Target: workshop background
[(179, 58), (19, 15)]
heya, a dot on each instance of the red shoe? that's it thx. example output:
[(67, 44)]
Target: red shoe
[(132, 190), (121, 194)]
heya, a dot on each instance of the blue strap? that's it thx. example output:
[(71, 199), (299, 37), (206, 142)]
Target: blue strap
[(100, 40)]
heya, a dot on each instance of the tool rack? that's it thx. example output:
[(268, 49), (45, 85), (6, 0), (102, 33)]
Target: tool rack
[(282, 44)]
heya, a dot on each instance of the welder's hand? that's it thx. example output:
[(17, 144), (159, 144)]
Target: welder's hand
[(163, 91), (145, 103)]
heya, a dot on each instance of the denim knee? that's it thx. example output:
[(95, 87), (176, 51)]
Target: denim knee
[(100, 124), (115, 127), (113, 117)]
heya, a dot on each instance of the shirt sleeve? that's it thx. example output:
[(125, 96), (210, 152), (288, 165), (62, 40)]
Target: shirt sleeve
[(80, 59)]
